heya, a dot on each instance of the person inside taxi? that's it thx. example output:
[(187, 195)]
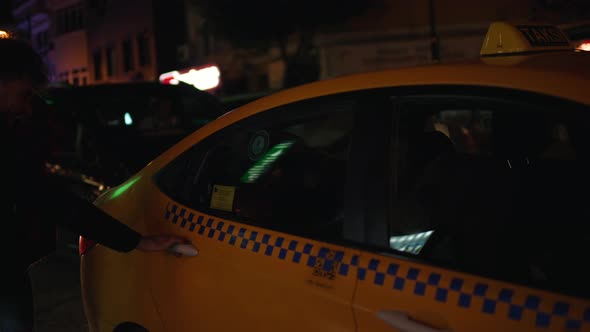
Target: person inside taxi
[(26, 189)]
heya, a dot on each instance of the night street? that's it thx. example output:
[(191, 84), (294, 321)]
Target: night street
[(294, 165), (56, 288)]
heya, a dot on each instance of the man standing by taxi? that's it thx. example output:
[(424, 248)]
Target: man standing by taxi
[(26, 189)]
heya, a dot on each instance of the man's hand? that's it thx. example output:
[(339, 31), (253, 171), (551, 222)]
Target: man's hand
[(159, 242)]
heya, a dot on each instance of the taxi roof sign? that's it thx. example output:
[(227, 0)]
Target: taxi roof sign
[(508, 39)]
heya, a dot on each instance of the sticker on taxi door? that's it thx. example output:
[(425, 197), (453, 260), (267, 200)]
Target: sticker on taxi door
[(327, 263), (222, 197)]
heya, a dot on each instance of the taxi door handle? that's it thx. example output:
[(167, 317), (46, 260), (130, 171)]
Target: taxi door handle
[(184, 249), (402, 322)]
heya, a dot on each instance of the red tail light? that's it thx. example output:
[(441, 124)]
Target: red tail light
[(84, 245)]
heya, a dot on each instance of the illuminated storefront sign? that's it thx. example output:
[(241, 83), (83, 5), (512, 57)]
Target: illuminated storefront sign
[(584, 46), (203, 78)]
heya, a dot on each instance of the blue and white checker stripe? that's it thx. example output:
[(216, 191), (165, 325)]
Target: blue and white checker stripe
[(274, 246), (477, 296), (383, 274)]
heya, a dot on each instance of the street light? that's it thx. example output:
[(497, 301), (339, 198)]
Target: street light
[(4, 34)]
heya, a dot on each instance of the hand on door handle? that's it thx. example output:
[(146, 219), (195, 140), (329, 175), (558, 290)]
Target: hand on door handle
[(402, 322), (184, 249)]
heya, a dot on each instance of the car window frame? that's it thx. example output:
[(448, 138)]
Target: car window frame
[(355, 193), (397, 96)]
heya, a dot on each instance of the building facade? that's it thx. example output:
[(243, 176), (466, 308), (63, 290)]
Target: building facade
[(56, 30), (135, 40), (68, 54), (105, 41), (32, 22), (401, 33), (121, 42)]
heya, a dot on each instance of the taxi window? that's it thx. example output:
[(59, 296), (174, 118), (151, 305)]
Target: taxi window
[(493, 187), (288, 175)]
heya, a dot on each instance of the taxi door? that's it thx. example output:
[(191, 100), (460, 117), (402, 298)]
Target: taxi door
[(411, 279), (396, 294), (250, 278), (249, 275)]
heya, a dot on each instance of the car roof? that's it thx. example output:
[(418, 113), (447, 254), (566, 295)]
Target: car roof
[(560, 74), (234, 101)]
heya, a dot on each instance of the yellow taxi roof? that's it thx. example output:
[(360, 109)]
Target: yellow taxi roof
[(561, 74)]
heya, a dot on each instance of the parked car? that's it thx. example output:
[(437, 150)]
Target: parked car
[(102, 134), (111, 131), (447, 197)]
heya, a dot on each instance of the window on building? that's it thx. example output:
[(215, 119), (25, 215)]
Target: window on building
[(143, 45), (128, 55), (97, 59), (65, 77), (79, 17), (65, 16), (84, 81), (42, 40), (76, 81), (111, 61), (59, 22), (69, 19)]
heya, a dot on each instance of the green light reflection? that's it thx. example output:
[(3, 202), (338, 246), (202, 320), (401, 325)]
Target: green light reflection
[(124, 187), (265, 163)]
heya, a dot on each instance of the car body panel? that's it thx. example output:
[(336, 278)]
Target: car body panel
[(130, 300), (267, 278), (454, 301)]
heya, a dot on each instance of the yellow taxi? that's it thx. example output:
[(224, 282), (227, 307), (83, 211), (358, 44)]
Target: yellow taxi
[(449, 197)]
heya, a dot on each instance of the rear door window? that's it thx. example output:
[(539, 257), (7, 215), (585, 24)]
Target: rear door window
[(489, 184), (493, 186)]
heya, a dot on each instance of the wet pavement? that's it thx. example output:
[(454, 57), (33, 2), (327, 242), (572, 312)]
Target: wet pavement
[(55, 281)]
